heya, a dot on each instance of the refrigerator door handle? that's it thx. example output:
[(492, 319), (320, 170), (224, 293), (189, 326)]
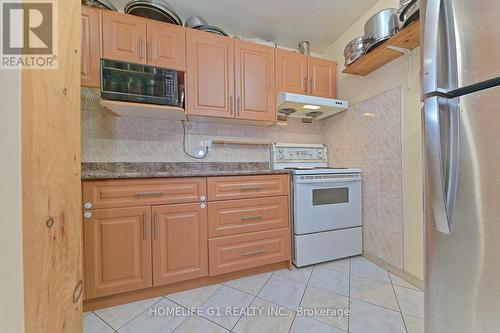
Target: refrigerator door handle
[(435, 165), (430, 46)]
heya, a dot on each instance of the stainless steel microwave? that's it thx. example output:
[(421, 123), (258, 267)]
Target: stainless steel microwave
[(139, 83)]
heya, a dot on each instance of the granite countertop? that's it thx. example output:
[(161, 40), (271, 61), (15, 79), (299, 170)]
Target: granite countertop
[(120, 170)]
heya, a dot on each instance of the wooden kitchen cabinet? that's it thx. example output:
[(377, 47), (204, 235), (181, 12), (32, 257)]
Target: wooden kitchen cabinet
[(291, 72), (322, 74), (255, 81), (124, 37), (90, 46), (166, 45), (210, 75), (238, 252), (117, 251), (301, 74), (246, 187), (179, 243)]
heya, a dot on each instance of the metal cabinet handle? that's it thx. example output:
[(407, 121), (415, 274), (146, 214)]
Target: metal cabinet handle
[(310, 85), (144, 226), (305, 85), (150, 50), (231, 105), (252, 253), (155, 224), (255, 217), (239, 105), (140, 49), (250, 188), (149, 194)]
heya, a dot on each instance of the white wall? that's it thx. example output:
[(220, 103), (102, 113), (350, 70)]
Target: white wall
[(404, 72), (11, 259)]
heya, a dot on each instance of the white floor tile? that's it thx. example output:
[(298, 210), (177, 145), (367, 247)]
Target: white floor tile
[(117, 316), (268, 317), (225, 306), (364, 268), (283, 291), (194, 297), (413, 324), (324, 299), (331, 280), (369, 318), (297, 274), (94, 324), (163, 317), (250, 284), (340, 265), (411, 301), (303, 324), (397, 281), (197, 324), (372, 291)]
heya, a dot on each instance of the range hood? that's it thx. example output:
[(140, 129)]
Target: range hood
[(309, 107)]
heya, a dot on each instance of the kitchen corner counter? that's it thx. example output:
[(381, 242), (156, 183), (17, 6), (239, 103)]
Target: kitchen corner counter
[(123, 170)]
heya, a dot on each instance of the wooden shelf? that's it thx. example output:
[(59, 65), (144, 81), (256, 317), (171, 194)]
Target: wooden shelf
[(408, 38), (141, 110)]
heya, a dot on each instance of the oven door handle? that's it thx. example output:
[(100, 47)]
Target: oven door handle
[(331, 180)]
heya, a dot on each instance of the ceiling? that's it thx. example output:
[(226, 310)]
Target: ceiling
[(285, 22)]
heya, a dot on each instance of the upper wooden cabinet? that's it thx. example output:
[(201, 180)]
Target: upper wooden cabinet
[(90, 46), (228, 78), (179, 243), (124, 37), (166, 46), (301, 74), (254, 81), (291, 72), (134, 39), (117, 251), (322, 77), (210, 75)]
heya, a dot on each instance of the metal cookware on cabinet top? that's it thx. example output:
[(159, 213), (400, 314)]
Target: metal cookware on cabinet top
[(103, 4), (408, 12), (195, 21), (355, 49), (212, 29), (381, 26), (159, 10)]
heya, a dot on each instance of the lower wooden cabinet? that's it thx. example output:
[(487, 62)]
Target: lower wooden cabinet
[(234, 253), (172, 238), (179, 243), (117, 256)]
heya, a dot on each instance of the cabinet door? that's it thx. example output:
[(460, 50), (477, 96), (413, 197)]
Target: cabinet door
[(166, 45), (255, 81), (90, 46), (117, 251), (210, 75), (124, 37), (180, 241), (322, 77), (291, 72)]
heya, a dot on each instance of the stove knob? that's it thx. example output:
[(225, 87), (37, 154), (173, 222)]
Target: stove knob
[(310, 153), (281, 156)]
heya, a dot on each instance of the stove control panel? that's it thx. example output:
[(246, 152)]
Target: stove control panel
[(309, 155)]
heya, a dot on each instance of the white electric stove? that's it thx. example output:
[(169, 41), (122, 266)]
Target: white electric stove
[(327, 206)]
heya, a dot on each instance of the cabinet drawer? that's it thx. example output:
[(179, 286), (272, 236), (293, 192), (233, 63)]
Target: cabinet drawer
[(136, 192), (243, 187), (241, 216), (234, 253)]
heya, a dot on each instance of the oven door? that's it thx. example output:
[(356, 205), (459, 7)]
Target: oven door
[(326, 202)]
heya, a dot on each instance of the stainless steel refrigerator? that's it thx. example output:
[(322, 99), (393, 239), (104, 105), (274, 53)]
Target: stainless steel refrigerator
[(461, 90)]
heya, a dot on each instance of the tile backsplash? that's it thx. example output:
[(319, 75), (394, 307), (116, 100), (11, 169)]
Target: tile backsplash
[(368, 136), (107, 138)]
